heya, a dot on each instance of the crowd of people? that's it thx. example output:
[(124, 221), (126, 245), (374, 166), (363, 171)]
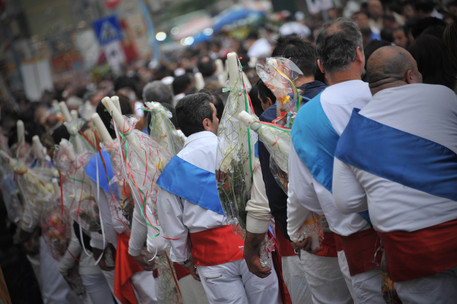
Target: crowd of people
[(135, 215)]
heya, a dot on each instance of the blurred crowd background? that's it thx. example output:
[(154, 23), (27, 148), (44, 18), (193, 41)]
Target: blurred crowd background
[(80, 51)]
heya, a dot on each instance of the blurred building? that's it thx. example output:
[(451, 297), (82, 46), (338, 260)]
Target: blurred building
[(49, 41)]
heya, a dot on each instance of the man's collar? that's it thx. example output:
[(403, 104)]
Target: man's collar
[(198, 136)]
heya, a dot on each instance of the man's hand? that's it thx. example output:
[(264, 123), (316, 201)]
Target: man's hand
[(305, 245), (97, 252), (193, 271), (147, 265), (252, 254)]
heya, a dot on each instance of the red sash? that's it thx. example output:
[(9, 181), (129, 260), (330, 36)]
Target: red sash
[(216, 246), (277, 263), (360, 250), (421, 253), (180, 270), (328, 245), (338, 243), (284, 245), (126, 267)]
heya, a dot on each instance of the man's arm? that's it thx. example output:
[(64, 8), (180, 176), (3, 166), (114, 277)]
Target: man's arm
[(257, 223), (170, 212), (302, 197), (137, 240), (277, 199), (73, 251), (349, 195)]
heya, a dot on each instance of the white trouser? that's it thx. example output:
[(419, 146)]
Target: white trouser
[(439, 288), (295, 279), (233, 283), (344, 267), (55, 288), (144, 286), (109, 277), (192, 291), (364, 287), (325, 280), (367, 287), (97, 288)]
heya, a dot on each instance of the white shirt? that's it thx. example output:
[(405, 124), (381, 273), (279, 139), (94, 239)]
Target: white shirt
[(428, 111), (305, 193), (109, 218), (260, 48), (258, 210), (179, 217)]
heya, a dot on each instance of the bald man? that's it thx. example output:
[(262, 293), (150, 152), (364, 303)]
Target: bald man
[(397, 157)]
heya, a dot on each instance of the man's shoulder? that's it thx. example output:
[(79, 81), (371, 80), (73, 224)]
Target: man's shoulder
[(420, 90), (269, 114), (201, 153), (310, 90)]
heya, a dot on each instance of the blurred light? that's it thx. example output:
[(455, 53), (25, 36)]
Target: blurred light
[(161, 36), (187, 41), (208, 31)]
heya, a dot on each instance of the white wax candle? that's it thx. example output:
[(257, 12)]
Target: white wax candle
[(20, 132), (102, 131), (37, 147), (232, 68), (64, 109), (115, 100), (199, 81), (74, 115)]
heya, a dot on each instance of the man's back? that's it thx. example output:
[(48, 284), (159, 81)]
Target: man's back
[(424, 111), (337, 103)]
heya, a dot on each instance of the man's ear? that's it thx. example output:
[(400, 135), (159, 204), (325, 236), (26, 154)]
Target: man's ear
[(269, 102), (321, 67), (360, 55), (411, 77), (206, 124)]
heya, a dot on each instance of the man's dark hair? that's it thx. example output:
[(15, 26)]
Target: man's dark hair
[(416, 26), (206, 66), (299, 51), (425, 6), (434, 61), (264, 92), (387, 34), (180, 84), (216, 100), (255, 101), (123, 82), (449, 34), (191, 110), (126, 109), (60, 133), (337, 44)]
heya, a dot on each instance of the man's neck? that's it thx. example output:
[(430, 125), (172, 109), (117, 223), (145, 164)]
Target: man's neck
[(341, 76), (386, 84), (302, 80)]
